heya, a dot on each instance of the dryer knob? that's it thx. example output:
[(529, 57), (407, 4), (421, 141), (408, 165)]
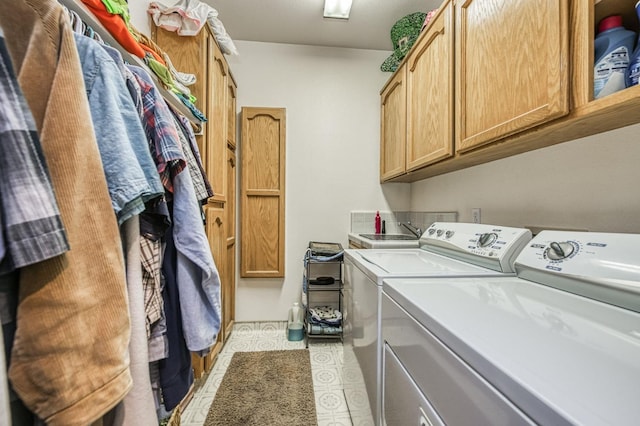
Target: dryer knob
[(486, 239), (557, 251)]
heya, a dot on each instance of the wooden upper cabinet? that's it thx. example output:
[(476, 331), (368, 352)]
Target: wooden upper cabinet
[(393, 126), (430, 93), (512, 67), (524, 80), (262, 192)]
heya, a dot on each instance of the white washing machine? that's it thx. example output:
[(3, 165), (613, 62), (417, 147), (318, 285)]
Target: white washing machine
[(558, 344), (446, 250)]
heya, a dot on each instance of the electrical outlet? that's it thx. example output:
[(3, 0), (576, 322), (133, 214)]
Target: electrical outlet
[(475, 215)]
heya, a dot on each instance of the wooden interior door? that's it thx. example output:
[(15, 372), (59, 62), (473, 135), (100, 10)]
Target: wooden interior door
[(262, 192)]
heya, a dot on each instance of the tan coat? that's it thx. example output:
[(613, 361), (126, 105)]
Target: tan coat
[(69, 362)]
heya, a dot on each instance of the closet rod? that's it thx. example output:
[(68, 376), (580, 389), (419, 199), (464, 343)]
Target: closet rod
[(89, 18)]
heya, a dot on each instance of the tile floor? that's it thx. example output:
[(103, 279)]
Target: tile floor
[(326, 366)]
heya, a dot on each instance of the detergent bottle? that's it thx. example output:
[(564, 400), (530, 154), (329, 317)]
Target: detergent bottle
[(295, 324), (613, 49), (632, 76)]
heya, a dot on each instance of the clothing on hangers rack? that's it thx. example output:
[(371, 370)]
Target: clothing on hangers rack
[(117, 35)]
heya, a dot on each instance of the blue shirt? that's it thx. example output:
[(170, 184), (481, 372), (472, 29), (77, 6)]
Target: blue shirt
[(128, 167), (196, 272)]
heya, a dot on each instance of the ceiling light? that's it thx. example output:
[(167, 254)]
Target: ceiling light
[(338, 9)]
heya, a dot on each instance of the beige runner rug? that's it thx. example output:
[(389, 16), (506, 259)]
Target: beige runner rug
[(269, 388)]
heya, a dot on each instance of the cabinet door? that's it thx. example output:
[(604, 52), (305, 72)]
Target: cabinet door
[(393, 126), (512, 67), (262, 192), (228, 304), (187, 55), (430, 93), (216, 127), (231, 111), (215, 229)]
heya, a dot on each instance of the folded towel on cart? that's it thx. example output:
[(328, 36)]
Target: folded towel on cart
[(325, 315)]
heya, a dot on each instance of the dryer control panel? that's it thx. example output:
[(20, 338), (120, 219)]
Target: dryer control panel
[(491, 246)]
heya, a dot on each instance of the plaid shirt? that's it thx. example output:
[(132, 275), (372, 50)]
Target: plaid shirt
[(161, 131), (32, 230), (196, 177), (185, 127), (151, 264)]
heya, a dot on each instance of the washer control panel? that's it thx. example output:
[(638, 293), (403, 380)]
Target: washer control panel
[(600, 266), (584, 253)]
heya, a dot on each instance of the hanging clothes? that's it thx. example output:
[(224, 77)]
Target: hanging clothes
[(160, 130), (197, 179), (5, 414), (32, 234), (197, 275), (184, 127), (138, 407), (175, 372), (121, 139), (198, 278), (69, 362)]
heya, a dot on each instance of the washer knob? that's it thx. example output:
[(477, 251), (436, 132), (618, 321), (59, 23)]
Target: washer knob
[(440, 231), (431, 231), (558, 251), (487, 239), (448, 234)]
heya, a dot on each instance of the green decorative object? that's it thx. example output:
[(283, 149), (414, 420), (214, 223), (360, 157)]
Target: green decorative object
[(404, 34)]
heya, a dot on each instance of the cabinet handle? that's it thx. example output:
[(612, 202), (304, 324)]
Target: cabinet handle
[(232, 161), (218, 221)]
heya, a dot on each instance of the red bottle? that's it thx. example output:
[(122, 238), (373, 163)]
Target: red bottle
[(378, 223)]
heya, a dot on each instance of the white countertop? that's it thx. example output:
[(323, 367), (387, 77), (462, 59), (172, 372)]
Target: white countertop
[(384, 244)]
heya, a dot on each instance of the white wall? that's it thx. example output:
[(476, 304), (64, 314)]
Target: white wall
[(333, 126), (139, 16), (590, 183)]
